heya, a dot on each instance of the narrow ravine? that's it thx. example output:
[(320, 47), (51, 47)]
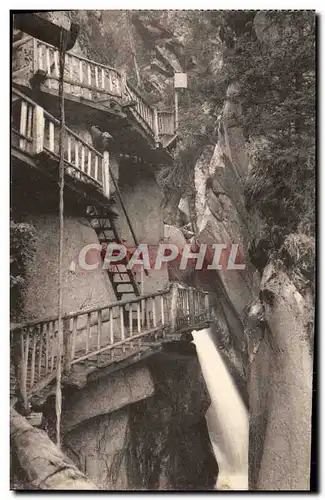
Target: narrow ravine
[(227, 416)]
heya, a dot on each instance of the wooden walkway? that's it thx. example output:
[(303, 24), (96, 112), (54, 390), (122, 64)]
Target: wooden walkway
[(91, 81), (98, 337)]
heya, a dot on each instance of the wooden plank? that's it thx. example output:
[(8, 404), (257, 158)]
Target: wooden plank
[(73, 337), (122, 326), (51, 136), (154, 316), (88, 333), (16, 44), (25, 368), (89, 163), (82, 165), (51, 328), (81, 76), (23, 124), (110, 83), (48, 67), (147, 304), (35, 56), (130, 318), (116, 344), (69, 148), (38, 130), (162, 308), (103, 78), (173, 311), (99, 333), (29, 121), (111, 326), (33, 360), (67, 341), (56, 64), (40, 57), (70, 66), (76, 156), (47, 345), (138, 318), (96, 168), (106, 175), (89, 79), (40, 354)]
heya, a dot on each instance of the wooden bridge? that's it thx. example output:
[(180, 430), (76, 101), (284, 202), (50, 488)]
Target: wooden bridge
[(95, 338), (93, 84), (35, 135)]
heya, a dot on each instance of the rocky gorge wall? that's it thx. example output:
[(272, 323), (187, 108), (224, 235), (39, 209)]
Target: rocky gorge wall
[(264, 326), (152, 438)]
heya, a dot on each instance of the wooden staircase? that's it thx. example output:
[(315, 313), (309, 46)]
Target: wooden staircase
[(122, 279)]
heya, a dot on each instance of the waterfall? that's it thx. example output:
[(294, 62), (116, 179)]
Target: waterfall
[(227, 416)]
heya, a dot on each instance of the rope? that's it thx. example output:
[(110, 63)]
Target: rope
[(58, 394)]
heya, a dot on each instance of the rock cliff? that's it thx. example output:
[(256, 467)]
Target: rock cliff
[(265, 320)]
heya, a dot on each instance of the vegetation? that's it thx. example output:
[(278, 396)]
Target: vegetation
[(271, 55), (276, 73), (21, 249)]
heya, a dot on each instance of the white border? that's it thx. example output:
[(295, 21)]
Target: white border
[(5, 159)]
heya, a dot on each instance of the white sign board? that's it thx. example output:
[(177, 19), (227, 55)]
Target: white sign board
[(180, 81)]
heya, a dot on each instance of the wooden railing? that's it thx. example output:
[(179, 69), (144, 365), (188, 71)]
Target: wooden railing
[(91, 80), (143, 112), (37, 131), (90, 333), (166, 122), (82, 76)]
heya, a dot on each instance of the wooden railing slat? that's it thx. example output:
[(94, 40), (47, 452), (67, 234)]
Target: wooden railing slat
[(51, 136), (40, 354), (73, 337), (23, 124), (88, 333), (25, 366), (47, 346), (111, 326), (51, 327), (138, 317), (154, 317), (188, 306)]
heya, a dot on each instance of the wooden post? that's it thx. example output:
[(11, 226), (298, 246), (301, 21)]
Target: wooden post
[(35, 56), (155, 125), (67, 344), (162, 309), (23, 124), (207, 305), (38, 130), (99, 334), (192, 305), (173, 312), (51, 136), (22, 371), (111, 327), (106, 175)]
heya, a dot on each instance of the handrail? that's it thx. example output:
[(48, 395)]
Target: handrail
[(27, 324), (57, 122), (87, 78), (97, 331), (71, 132), (133, 89), (82, 58)]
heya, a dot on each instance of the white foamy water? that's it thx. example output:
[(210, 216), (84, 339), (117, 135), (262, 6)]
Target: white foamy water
[(227, 417)]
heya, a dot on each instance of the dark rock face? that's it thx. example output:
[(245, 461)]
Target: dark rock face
[(158, 443), (170, 444)]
